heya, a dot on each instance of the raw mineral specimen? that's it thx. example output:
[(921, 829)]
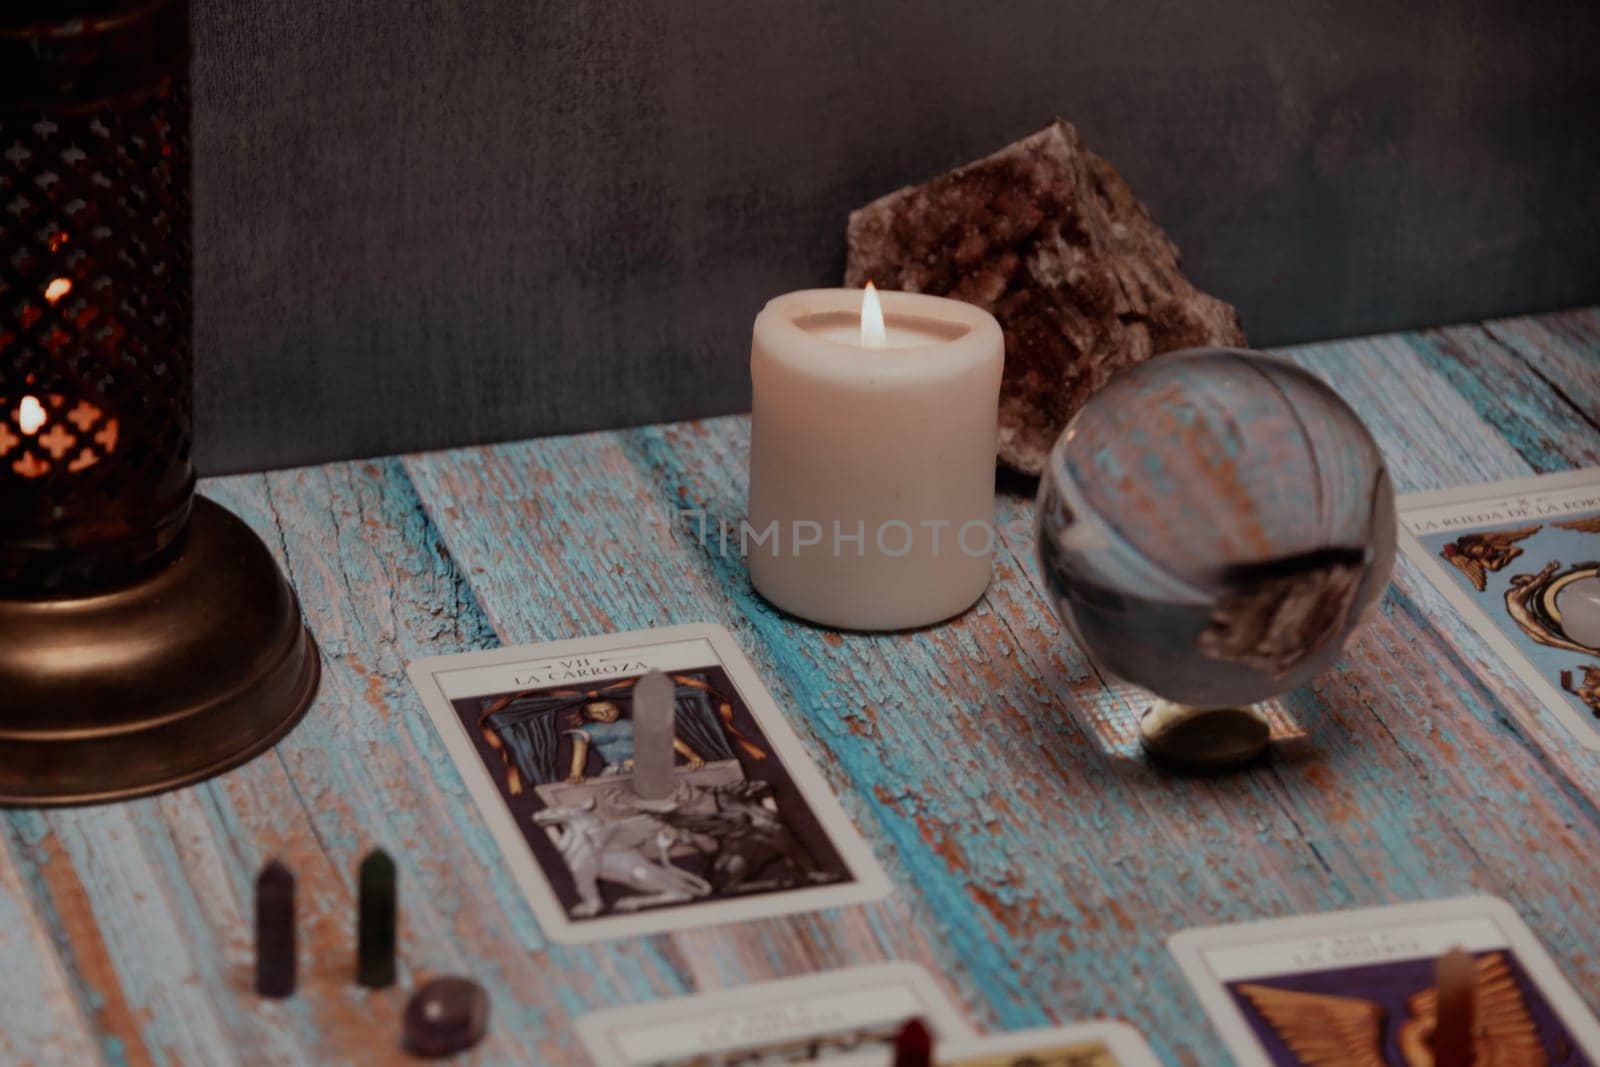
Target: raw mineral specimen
[(1047, 237)]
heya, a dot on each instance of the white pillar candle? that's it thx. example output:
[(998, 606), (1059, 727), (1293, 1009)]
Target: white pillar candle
[(872, 457)]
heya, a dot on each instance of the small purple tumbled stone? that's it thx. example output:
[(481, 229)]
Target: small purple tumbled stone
[(446, 1016)]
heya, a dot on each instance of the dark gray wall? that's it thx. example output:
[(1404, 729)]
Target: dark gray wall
[(424, 222)]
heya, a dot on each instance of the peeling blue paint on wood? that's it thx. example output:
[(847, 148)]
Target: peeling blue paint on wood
[(1040, 863)]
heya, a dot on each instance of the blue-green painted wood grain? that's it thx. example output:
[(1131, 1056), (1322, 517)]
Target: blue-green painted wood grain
[(1537, 420), (1563, 349), (375, 774), (564, 537), (51, 1024), (1518, 769), (1431, 436), (881, 744), (1040, 863)]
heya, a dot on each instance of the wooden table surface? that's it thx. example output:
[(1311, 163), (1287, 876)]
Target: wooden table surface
[(1039, 862)]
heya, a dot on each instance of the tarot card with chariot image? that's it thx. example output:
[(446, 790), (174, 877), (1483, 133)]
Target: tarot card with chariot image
[(1520, 561), (543, 736), (1359, 988)]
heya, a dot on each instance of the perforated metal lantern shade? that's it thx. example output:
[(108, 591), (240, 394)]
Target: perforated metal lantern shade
[(95, 360), (146, 637)]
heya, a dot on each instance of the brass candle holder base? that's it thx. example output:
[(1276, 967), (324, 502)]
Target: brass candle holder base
[(1199, 740), (178, 676)]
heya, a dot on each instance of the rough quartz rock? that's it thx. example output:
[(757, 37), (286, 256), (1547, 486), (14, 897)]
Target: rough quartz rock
[(1047, 237)]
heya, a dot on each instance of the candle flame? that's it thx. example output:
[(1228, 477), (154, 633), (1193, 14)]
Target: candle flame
[(873, 335), (58, 288), (30, 414)]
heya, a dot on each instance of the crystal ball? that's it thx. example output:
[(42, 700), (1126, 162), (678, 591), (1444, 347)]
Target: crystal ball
[(1213, 525)]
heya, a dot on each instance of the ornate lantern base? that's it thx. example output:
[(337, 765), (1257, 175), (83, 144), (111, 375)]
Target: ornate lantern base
[(186, 672)]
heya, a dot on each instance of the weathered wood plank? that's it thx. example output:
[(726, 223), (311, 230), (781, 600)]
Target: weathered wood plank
[(1355, 814), (370, 771), (1563, 348), (1426, 384), (1040, 863), (1408, 678), (577, 507), (701, 466), (148, 904), (47, 1024), (1538, 420), (1432, 438), (1397, 843), (1460, 448), (118, 934), (565, 537)]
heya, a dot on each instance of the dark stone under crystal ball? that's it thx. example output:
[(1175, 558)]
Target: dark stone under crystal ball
[(1214, 525)]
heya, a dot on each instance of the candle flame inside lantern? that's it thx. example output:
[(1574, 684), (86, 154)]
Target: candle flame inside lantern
[(873, 335), (58, 288), (30, 415)]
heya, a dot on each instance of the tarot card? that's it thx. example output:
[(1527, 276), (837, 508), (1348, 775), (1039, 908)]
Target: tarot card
[(1357, 987), (1096, 1044), (1521, 561), (847, 1017), (543, 737)]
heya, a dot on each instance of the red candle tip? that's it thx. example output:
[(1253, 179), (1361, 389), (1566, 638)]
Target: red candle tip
[(913, 1045)]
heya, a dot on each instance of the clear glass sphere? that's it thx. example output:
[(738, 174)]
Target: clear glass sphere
[(1214, 524)]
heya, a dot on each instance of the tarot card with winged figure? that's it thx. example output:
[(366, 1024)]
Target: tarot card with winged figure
[(1358, 988)]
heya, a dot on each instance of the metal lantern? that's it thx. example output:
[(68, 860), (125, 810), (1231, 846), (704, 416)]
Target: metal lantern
[(147, 639)]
